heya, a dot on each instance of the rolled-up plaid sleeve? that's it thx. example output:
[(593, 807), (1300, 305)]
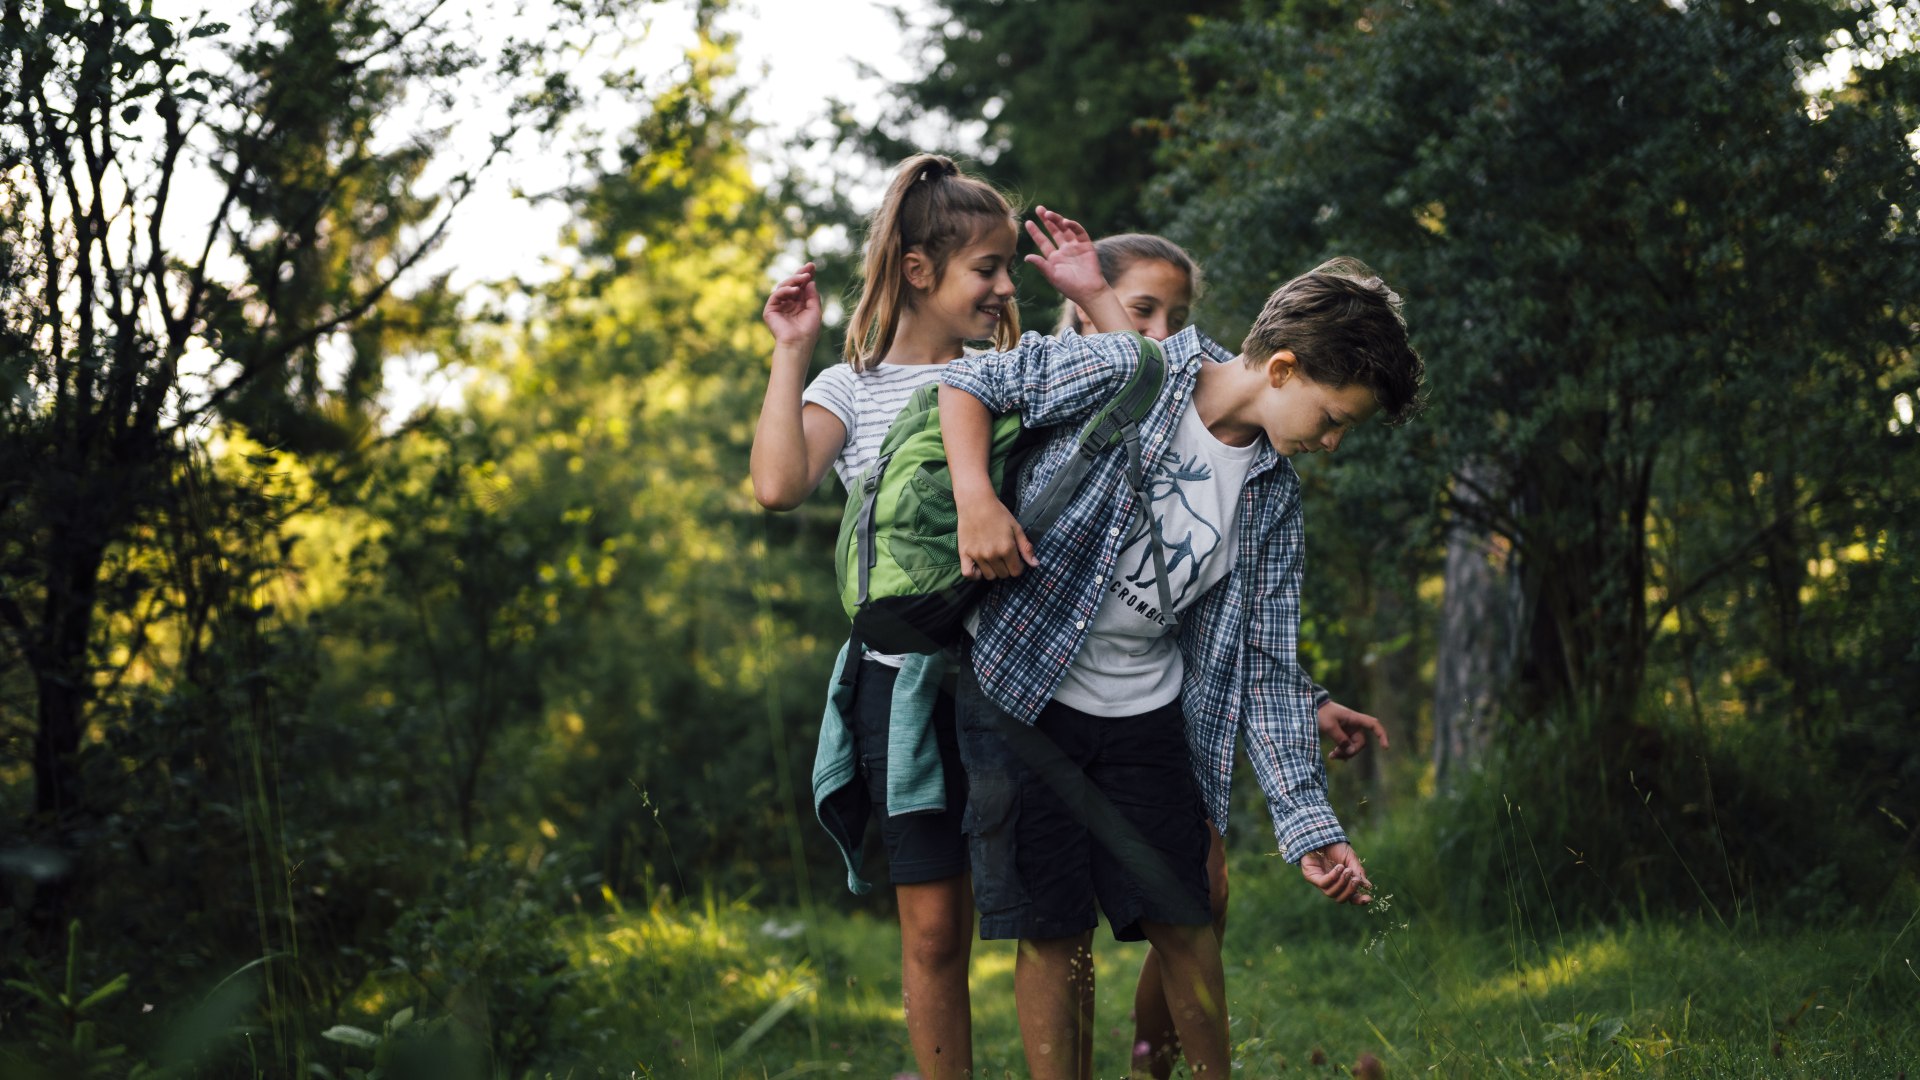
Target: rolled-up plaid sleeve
[(1048, 380), (1283, 739)]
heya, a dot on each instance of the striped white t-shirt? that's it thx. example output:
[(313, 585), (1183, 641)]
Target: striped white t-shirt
[(866, 402)]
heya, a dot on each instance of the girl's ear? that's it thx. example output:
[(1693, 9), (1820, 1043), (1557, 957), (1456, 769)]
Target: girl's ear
[(1281, 366), (918, 270)]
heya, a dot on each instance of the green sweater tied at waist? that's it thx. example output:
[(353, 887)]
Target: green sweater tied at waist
[(915, 781)]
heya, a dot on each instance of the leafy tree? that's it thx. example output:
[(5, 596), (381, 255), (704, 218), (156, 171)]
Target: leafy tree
[(1666, 298), (144, 328), (1066, 102), (194, 217), (1629, 241), (621, 645), (646, 369)]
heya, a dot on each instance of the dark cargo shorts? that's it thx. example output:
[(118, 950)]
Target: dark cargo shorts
[(1077, 808)]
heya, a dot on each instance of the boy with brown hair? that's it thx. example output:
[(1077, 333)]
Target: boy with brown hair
[(1098, 730)]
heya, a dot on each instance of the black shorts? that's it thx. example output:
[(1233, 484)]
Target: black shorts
[(1077, 808), (920, 847)]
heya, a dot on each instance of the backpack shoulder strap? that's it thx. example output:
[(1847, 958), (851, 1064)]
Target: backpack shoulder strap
[(1118, 423), (1104, 429), (1107, 427)]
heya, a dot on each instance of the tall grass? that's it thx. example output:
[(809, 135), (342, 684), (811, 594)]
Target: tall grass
[(715, 989), (727, 992)]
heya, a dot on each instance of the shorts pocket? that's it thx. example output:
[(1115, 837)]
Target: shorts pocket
[(991, 822)]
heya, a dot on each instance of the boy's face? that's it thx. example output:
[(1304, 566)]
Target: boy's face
[(1301, 416)]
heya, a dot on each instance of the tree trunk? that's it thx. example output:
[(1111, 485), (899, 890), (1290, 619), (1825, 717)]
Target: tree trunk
[(1480, 628), (63, 677)]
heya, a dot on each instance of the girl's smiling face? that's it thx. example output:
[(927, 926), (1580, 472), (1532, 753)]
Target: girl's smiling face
[(1157, 296), (970, 294)]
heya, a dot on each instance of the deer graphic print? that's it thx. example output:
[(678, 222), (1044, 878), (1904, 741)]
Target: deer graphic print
[(1186, 536)]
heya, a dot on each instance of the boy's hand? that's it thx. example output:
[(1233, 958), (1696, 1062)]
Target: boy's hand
[(1067, 259), (1336, 871), (993, 546), (793, 311), (1347, 729)]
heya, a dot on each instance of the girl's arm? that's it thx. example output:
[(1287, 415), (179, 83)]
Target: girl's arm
[(1071, 264), (792, 445)]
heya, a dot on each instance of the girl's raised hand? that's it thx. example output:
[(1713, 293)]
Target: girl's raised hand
[(1067, 257), (793, 311)]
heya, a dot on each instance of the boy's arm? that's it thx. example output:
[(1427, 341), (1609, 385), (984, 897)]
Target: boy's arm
[(992, 544), (1047, 380), (1282, 730), (1336, 871)]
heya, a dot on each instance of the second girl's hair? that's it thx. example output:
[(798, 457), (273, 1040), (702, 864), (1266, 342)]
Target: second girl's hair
[(933, 206), (1119, 253)]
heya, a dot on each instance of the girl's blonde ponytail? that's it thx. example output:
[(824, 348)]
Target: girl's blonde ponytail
[(933, 206)]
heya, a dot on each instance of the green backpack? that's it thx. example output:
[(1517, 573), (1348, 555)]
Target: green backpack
[(897, 557)]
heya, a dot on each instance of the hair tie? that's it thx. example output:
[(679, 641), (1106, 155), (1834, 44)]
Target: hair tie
[(938, 169)]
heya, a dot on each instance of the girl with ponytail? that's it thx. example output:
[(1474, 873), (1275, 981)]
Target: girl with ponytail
[(938, 274)]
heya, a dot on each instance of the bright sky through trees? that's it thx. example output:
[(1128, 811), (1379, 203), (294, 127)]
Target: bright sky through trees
[(793, 58)]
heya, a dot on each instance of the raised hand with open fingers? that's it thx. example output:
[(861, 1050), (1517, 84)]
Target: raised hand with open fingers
[(793, 310), (1067, 257)]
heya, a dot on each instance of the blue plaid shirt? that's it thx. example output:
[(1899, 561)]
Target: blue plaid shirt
[(1240, 641)]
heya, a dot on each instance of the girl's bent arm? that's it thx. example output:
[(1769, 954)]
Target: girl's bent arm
[(792, 444)]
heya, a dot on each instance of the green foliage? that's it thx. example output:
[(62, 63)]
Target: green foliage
[(478, 962), (564, 598), (1067, 102), (1635, 254), (177, 737), (700, 989), (1752, 829), (403, 1049), (63, 1038), (360, 741)]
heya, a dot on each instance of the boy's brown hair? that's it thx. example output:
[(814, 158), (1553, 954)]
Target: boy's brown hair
[(1343, 326)]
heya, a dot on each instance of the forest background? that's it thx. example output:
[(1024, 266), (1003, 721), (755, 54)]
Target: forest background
[(339, 738)]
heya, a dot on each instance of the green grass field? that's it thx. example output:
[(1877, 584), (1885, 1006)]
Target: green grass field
[(732, 992)]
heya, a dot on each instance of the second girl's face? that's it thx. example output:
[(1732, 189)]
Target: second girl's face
[(1157, 296), (975, 286)]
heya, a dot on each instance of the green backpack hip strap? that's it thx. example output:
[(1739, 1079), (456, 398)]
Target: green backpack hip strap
[(897, 557)]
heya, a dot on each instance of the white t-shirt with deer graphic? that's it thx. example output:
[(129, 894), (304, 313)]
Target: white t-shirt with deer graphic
[(1129, 664)]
